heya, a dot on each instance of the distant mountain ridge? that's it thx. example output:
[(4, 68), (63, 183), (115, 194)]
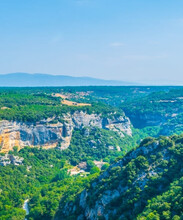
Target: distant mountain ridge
[(38, 79)]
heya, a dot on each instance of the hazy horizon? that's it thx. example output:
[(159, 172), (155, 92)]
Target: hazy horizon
[(136, 41), (119, 82)]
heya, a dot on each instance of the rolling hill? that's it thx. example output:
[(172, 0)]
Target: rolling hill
[(38, 79)]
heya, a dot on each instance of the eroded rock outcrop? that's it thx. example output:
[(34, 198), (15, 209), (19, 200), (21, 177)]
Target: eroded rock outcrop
[(49, 135), (10, 159)]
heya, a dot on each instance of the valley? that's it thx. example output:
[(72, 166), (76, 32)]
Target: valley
[(91, 152)]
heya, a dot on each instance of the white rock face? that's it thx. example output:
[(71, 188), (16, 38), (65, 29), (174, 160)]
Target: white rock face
[(10, 159), (49, 135)]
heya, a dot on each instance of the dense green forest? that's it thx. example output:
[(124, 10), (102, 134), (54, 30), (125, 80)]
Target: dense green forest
[(147, 184), (34, 106), (45, 177)]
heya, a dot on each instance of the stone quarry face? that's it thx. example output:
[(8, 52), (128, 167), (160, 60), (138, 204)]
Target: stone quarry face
[(49, 135)]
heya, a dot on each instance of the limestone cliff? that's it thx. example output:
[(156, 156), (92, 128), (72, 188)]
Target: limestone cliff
[(48, 134)]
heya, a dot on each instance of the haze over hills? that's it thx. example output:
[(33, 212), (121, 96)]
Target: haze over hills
[(38, 79)]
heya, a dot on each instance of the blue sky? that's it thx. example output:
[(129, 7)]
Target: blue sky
[(130, 40)]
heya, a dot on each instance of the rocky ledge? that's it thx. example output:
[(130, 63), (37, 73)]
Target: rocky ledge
[(48, 134)]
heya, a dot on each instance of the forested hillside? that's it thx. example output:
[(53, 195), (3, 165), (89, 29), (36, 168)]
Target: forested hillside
[(145, 184), (73, 152)]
